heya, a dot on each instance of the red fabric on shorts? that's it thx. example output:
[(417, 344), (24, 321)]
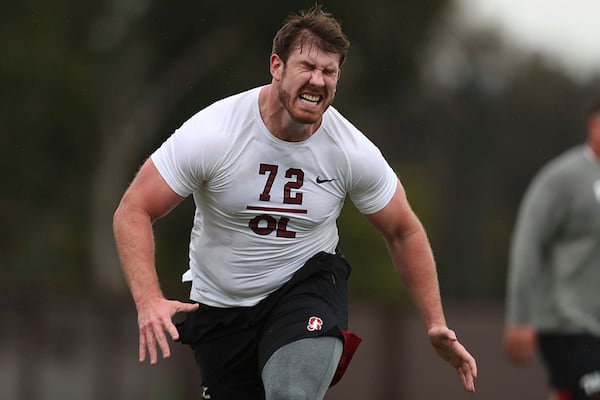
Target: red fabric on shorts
[(351, 342), (563, 395)]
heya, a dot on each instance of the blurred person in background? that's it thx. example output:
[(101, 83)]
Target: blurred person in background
[(553, 295), (269, 170)]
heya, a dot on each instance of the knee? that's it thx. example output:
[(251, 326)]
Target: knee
[(288, 392), (302, 369)]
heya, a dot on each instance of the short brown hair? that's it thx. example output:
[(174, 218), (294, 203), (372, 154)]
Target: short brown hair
[(311, 26)]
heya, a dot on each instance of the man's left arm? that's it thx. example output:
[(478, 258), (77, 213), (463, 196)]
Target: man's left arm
[(413, 259)]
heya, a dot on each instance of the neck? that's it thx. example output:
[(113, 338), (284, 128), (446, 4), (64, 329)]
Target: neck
[(278, 121)]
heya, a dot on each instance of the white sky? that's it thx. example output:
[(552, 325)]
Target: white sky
[(566, 31)]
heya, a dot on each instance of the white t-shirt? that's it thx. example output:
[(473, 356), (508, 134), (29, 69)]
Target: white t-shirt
[(265, 206)]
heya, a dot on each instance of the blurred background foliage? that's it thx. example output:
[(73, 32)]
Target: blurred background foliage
[(89, 89)]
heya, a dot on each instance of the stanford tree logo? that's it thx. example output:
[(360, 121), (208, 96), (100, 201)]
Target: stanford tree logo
[(314, 324)]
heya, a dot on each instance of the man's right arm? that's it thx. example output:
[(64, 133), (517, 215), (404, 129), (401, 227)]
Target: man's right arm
[(147, 199), (537, 219)]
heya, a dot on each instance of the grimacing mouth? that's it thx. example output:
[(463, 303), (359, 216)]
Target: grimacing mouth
[(310, 98)]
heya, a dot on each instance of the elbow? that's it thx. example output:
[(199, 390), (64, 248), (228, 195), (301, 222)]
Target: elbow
[(118, 216), (123, 213), (130, 213)]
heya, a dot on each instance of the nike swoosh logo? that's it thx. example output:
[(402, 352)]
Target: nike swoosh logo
[(319, 180)]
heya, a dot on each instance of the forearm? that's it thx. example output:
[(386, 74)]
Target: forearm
[(135, 245), (414, 262)]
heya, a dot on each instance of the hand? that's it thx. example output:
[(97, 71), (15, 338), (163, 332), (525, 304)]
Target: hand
[(154, 319), (446, 344), (520, 343)]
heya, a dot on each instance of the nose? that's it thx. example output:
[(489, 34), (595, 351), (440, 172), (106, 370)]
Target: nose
[(316, 78)]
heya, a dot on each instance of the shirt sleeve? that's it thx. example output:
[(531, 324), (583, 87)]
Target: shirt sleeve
[(373, 179), (189, 156), (538, 219)]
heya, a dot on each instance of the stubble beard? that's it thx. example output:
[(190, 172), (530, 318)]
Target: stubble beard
[(287, 101)]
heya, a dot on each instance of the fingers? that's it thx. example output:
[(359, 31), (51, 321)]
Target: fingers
[(155, 324), (520, 353), (456, 354), (467, 360), (467, 377), (179, 307), (186, 307), (450, 349), (467, 372), (173, 332), (473, 366), (468, 367), (163, 344), (520, 343), (142, 347), (515, 354), (151, 343), (152, 337)]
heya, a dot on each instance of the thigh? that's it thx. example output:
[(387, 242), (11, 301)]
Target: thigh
[(573, 362), (584, 361), (312, 304), (554, 350), (314, 307), (224, 342)]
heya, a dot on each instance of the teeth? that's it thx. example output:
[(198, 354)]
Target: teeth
[(309, 97)]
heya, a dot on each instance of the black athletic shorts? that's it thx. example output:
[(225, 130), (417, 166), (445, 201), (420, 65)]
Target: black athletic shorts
[(573, 362), (232, 345)]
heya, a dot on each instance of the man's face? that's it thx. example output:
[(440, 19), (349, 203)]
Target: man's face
[(308, 82), (594, 132)]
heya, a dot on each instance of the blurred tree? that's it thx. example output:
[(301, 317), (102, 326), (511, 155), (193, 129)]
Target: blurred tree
[(48, 142)]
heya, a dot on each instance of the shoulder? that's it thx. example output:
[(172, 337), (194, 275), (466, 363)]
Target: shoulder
[(371, 181), (202, 142), (564, 167), (218, 124), (346, 135), (558, 177)]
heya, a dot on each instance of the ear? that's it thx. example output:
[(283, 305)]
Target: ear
[(276, 66)]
